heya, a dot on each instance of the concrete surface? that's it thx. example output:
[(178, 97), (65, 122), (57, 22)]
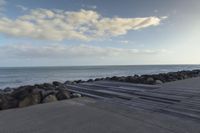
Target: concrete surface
[(170, 108)]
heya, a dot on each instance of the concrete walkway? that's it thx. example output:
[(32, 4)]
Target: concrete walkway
[(118, 108)]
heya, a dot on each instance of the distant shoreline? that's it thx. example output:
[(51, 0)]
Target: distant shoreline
[(101, 65)]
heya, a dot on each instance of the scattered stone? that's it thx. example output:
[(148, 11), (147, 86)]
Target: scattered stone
[(68, 82), (158, 82), (48, 92), (30, 100), (1, 92), (62, 95), (31, 95), (150, 80), (47, 86), (22, 92), (107, 78), (76, 95), (90, 80), (56, 83), (49, 98), (78, 81), (8, 90), (7, 102)]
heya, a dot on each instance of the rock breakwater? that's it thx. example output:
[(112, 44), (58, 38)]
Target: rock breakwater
[(49, 92)]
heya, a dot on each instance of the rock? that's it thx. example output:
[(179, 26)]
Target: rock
[(97, 79), (48, 92), (7, 102), (150, 80), (158, 82), (73, 82), (131, 79), (102, 78), (62, 95), (122, 79), (78, 81), (68, 82), (49, 86), (22, 92), (46, 86), (8, 90), (76, 95), (185, 76), (1, 92), (114, 78), (136, 76), (30, 100), (56, 83), (49, 98), (90, 80), (107, 78)]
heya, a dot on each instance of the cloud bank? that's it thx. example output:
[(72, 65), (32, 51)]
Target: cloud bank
[(59, 25), (53, 51)]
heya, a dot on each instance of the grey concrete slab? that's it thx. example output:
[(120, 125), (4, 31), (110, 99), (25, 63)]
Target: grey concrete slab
[(71, 116), (192, 83)]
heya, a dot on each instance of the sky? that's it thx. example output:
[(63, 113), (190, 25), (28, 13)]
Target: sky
[(99, 32)]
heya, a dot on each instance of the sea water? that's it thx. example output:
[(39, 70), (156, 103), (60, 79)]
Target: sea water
[(17, 76)]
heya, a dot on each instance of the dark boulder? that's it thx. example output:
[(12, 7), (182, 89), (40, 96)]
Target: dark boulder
[(63, 94), (150, 80), (122, 79), (22, 92), (157, 82), (107, 78), (90, 80), (31, 99), (68, 82), (76, 95), (8, 90), (56, 83), (7, 102), (77, 81), (113, 78), (45, 86), (97, 79), (49, 98)]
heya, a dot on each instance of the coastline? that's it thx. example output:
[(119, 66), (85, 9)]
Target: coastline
[(16, 77), (28, 95)]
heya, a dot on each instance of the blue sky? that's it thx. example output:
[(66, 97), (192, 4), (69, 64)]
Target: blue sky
[(99, 32)]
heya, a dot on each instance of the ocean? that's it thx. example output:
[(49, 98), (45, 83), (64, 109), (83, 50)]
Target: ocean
[(17, 76)]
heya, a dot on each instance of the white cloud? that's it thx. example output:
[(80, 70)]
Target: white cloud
[(164, 17), (65, 51), (124, 41), (89, 6), (59, 25), (23, 8)]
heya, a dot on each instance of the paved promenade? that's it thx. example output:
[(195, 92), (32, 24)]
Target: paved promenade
[(113, 107)]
